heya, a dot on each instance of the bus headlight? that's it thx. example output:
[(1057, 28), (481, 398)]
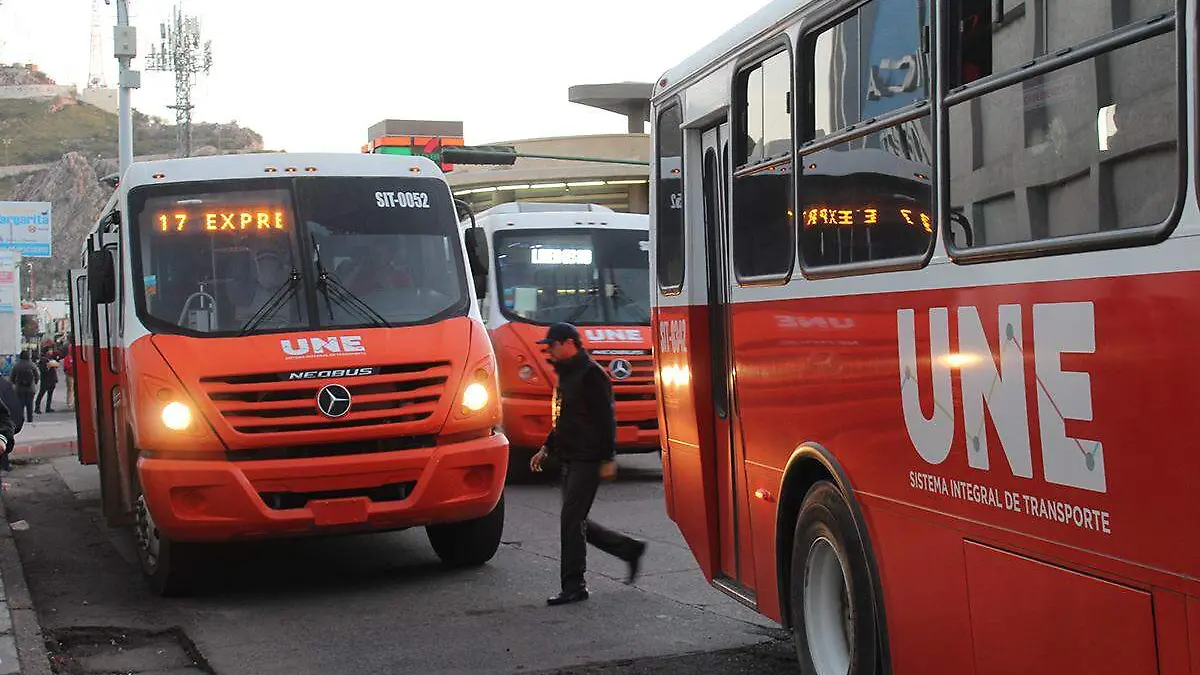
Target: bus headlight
[(525, 372), (176, 416), (475, 397)]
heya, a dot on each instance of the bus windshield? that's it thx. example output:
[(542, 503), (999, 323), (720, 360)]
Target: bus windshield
[(581, 276), (235, 257)]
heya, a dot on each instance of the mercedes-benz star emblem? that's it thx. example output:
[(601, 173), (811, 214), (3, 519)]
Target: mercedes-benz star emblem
[(333, 400), (620, 369)]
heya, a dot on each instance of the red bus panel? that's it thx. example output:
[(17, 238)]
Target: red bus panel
[(1032, 618)]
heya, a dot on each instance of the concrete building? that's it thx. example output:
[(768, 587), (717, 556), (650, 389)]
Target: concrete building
[(621, 187)]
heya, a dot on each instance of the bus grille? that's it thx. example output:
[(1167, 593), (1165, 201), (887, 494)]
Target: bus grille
[(638, 386), (269, 403)]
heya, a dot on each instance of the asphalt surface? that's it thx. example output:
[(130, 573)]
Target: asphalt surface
[(382, 603)]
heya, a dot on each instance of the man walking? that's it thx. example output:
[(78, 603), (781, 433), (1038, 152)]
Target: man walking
[(583, 439), (24, 379)]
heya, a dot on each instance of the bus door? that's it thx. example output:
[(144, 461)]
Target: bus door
[(82, 312), (732, 575), (104, 359)]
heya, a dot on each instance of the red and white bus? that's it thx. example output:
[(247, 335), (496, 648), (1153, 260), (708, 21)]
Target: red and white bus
[(925, 312), (276, 345), (580, 263)]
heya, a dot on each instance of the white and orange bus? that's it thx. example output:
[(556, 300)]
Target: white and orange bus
[(925, 277), (278, 345), (580, 263)]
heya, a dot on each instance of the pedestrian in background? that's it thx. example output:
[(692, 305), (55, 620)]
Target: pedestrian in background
[(583, 439), (25, 379), (49, 375)]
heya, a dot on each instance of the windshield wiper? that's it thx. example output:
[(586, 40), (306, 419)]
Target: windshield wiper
[(278, 299), (584, 306), (333, 289)]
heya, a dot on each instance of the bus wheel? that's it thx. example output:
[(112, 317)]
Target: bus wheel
[(167, 564), (471, 542), (833, 615)]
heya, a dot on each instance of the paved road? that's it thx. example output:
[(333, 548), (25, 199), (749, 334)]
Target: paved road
[(382, 603)]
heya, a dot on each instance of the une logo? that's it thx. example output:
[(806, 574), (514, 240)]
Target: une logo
[(318, 346), (1001, 388), (610, 335)]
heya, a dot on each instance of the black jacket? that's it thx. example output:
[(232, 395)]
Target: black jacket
[(8, 396), (584, 420), (6, 423), (24, 370)]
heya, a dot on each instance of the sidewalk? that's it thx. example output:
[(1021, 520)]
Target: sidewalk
[(50, 434), (22, 645)]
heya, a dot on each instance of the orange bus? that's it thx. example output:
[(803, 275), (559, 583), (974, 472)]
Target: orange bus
[(580, 263), (276, 345), (924, 318)]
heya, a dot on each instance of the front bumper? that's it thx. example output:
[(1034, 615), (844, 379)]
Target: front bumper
[(202, 500)]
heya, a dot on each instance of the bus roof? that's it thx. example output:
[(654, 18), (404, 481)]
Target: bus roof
[(763, 23), (540, 207), (260, 165), (561, 219)]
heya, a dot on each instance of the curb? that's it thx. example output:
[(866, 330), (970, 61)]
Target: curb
[(57, 447), (25, 631)]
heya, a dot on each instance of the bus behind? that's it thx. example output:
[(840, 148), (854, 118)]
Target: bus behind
[(577, 263)]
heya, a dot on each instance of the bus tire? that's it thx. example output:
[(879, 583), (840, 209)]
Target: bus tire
[(168, 565), (834, 626), (469, 543)]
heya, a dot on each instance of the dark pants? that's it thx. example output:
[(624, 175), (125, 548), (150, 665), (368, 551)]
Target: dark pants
[(47, 391), (25, 396), (580, 482)]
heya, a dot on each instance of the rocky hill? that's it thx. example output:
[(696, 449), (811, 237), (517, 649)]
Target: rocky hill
[(42, 130), (56, 149), (20, 75)]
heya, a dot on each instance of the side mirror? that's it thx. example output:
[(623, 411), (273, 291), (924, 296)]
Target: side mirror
[(477, 255), (477, 251), (102, 277), (476, 242)]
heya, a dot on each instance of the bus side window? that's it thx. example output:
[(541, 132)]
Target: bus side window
[(763, 228), (867, 198), (992, 36), (1083, 148), (668, 211)]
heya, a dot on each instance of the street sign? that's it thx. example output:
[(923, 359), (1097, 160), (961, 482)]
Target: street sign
[(25, 228)]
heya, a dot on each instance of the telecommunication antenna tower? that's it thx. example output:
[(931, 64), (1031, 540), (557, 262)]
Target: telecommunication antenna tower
[(182, 52), (96, 77)]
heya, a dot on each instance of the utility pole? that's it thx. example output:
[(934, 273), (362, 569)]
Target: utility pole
[(125, 48)]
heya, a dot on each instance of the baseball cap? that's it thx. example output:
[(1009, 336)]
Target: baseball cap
[(558, 332)]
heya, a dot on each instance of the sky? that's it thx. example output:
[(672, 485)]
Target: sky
[(313, 76)]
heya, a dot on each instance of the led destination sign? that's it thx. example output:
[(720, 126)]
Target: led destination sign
[(237, 219), (560, 256)]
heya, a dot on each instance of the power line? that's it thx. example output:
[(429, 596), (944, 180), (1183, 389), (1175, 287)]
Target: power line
[(182, 52)]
